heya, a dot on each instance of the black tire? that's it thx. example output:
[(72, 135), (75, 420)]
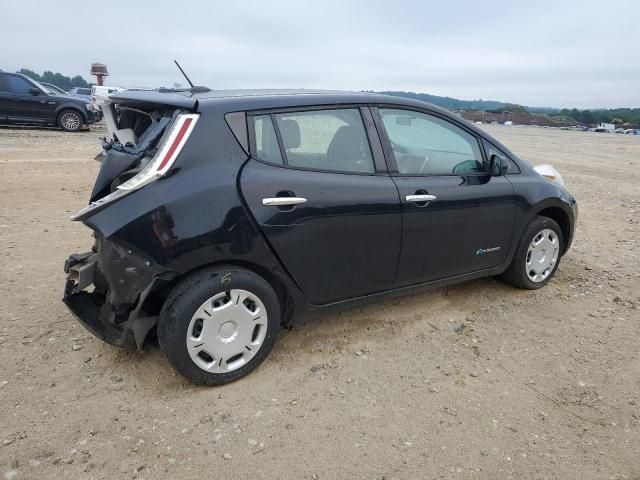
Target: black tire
[(516, 274), (70, 120), (185, 299)]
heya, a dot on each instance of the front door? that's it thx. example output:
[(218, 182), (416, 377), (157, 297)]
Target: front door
[(25, 106), (6, 98), (457, 218), (318, 191)]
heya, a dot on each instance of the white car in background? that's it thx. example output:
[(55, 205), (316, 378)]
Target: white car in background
[(100, 94)]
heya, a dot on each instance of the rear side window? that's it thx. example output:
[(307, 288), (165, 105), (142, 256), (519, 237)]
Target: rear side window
[(333, 140), (18, 85), (267, 148)]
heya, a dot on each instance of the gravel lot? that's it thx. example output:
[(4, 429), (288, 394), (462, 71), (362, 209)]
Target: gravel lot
[(477, 380)]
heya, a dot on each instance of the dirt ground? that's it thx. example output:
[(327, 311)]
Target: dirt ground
[(478, 380)]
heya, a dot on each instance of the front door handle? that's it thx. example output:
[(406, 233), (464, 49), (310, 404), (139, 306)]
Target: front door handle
[(283, 201), (420, 198)]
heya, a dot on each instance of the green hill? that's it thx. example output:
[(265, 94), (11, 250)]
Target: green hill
[(448, 102)]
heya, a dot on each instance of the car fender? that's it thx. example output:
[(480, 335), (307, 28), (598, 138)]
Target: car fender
[(534, 197)]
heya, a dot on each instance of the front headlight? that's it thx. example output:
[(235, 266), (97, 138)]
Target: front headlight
[(89, 106), (550, 173)]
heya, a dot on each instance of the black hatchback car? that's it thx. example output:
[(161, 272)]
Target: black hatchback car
[(229, 214), (23, 101)]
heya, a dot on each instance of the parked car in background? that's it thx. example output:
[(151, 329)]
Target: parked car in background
[(227, 214), (25, 101), (80, 91), (100, 94), (54, 88)]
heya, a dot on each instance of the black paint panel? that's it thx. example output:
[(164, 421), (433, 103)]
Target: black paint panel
[(343, 243), (447, 236)]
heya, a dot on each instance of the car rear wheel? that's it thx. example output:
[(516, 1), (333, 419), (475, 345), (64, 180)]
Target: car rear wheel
[(70, 120), (538, 255), (219, 324)]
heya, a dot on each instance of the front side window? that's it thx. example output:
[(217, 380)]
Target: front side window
[(19, 85), (326, 140), (427, 145), (491, 149), (266, 142)]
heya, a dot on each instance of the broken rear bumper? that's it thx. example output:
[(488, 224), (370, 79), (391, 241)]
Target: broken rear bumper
[(87, 308), (106, 289)]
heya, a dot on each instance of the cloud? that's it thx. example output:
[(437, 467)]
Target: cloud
[(541, 53)]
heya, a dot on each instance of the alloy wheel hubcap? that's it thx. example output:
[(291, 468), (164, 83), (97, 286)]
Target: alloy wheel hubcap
[(70, 121), (227, 331), (542, 255)]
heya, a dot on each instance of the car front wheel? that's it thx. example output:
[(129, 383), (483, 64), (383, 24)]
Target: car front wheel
[(219, 324), (70, 120), (538, 255)]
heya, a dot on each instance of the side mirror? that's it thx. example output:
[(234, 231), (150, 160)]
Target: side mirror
[(34, 91), (498, 165)]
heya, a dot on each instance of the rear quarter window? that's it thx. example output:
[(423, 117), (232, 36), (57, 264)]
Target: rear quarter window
[(266, 141)]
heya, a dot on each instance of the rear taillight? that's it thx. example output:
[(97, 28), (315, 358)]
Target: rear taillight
[(166, 154), (159, 165)]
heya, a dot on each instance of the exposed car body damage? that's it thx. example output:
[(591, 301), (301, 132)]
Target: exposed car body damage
[(121, 282), (206, 211)]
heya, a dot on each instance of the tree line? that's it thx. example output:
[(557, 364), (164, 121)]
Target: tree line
[(57, 79), (614, 115), (566, 116)]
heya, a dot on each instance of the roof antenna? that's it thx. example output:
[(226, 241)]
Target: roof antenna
[(193, 89), (182, 71)]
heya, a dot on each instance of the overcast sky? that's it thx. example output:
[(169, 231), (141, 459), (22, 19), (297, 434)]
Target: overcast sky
[(538, 53)]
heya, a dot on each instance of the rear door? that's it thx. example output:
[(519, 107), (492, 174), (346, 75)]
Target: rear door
[(457, 219), (318, 187)]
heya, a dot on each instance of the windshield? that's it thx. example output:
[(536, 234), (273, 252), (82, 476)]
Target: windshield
[(54, 89)]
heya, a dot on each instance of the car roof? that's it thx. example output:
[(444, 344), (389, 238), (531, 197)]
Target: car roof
[(256, 99), (251, 94), (281, 98)]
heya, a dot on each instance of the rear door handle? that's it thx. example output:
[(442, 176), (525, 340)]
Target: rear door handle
[(283, 201), (420, 198)]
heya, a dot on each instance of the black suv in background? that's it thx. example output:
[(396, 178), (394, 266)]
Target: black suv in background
[(25, 101)]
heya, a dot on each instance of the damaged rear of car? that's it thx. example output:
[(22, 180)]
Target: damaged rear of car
[(104, 286), (187, 216)]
